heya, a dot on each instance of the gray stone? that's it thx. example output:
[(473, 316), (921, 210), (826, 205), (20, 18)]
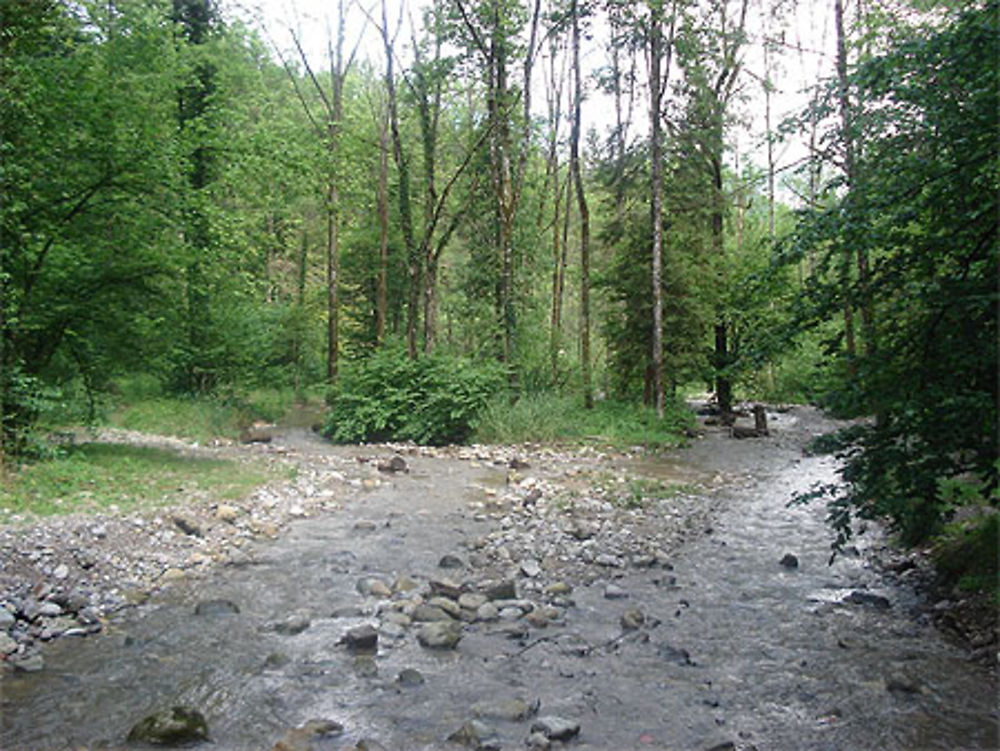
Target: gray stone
[(531, 568), (429, 613), (61, 571), (614, 592), (365, 525), (7, 644), (472, 601), (477, 735), (30, 662), (857, 597), (632, 619), (514, 709), (361, 637), (450, 561), (301, 738), (392, 631), (6, 618), (451, 607), (608, 560), (539, 741), (445, 588), (440, 635), (487, 612), (502, 590), (410, 677), (789, 560), (296, 623), (556, 728), (173, 727), (365, 666), (216, 607), (187, 526), (395, 464)]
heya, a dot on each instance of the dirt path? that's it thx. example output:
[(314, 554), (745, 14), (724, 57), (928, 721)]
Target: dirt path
[(595, 601)]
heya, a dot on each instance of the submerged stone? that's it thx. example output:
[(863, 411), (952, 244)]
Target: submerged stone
[(172, 727)]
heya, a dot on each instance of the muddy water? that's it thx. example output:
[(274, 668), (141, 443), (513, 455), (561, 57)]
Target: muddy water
[(735, 648)]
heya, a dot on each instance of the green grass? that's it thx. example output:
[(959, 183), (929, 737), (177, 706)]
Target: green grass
[(93, 477), (560, 419)]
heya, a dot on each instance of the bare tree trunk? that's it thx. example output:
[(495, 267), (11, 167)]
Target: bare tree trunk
[(381, 282), (581, 200), (656, 177)]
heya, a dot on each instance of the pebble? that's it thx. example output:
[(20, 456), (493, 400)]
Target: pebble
[(410, 677), (450, 561), (7, 644), (614, 592), (61, 571), (789, 560), (294, 624), (632, 619), (531, 568), (28, 663)]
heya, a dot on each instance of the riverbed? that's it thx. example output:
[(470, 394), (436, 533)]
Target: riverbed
[(668, 601)]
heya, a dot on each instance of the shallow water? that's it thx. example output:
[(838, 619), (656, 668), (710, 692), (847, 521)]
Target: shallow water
[(735, 649)]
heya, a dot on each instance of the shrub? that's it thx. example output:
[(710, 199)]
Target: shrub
[(433, 400)]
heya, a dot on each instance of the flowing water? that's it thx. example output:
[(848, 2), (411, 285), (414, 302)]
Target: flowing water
[(735, 648)]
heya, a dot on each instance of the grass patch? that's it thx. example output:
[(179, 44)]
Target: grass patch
[(94, 477), (550, 418), (967, 557)]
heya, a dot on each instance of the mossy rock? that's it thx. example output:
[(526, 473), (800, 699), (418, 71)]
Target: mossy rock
[(178, 726)]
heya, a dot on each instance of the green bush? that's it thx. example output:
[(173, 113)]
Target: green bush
[(966, 554), (433, 400)]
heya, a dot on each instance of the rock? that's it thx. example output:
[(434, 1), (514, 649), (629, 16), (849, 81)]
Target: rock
[(7, 644), (361, 637), (445, 588), (614, 592), (61, 571), (429, 614), (216, 607), (451, 561), (365, 666), (173, 727), (609, 561), (556, 728), (294, 624), (6, 618), (187, 526), (172, 575), (410, 677), (372, 587), (30, 662), (471, 601), (276, 661), (440, 635), (227, 513), (531, 568), (900, 684), (365, 525), (404, 584), (301, 738), (517, 463), (581, 530), (632, 619), (789, 561), (487, 612), (450, 607), (257, 433), (477, 735), (395, 464), (676, 655), (502, 590), (724, 746), (539, 741), (49, 610), (512, 710), (857, 597), (558, 589)]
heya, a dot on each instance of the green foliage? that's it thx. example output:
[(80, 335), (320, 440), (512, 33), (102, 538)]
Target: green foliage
[(432, 400), (554, 418), (926, 200), (95, 477), (966, 557)]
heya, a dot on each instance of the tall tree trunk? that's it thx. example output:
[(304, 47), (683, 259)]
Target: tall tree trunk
[(381, 280), (581, 200), (656, 178), (847, 142)]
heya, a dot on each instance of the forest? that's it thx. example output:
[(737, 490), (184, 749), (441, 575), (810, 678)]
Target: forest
[(467, 210)]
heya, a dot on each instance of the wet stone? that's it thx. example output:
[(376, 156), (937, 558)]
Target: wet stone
[(614, 592), (538, 741), (7, 644), (632, 619), (301, 738), (410, 677), (868, 599), (61, 571), (29, 662), (440, 635), (450, 561), (531, 568), (514, 709), (361, 637), (216, 607), (429, 614), (502, 590), (789, 561), (6, 618), (365, 666), (294, 624), (477, 735), (556, 728), (445, 588), (178, 726), (365, 525), (471, 601), (487, 612)]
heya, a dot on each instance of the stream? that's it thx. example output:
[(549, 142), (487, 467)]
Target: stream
[(715, 646)]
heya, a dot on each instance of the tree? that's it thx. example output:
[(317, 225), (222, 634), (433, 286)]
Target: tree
[(928, 107)]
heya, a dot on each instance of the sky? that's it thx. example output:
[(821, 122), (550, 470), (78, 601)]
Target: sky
[(806, 31)]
